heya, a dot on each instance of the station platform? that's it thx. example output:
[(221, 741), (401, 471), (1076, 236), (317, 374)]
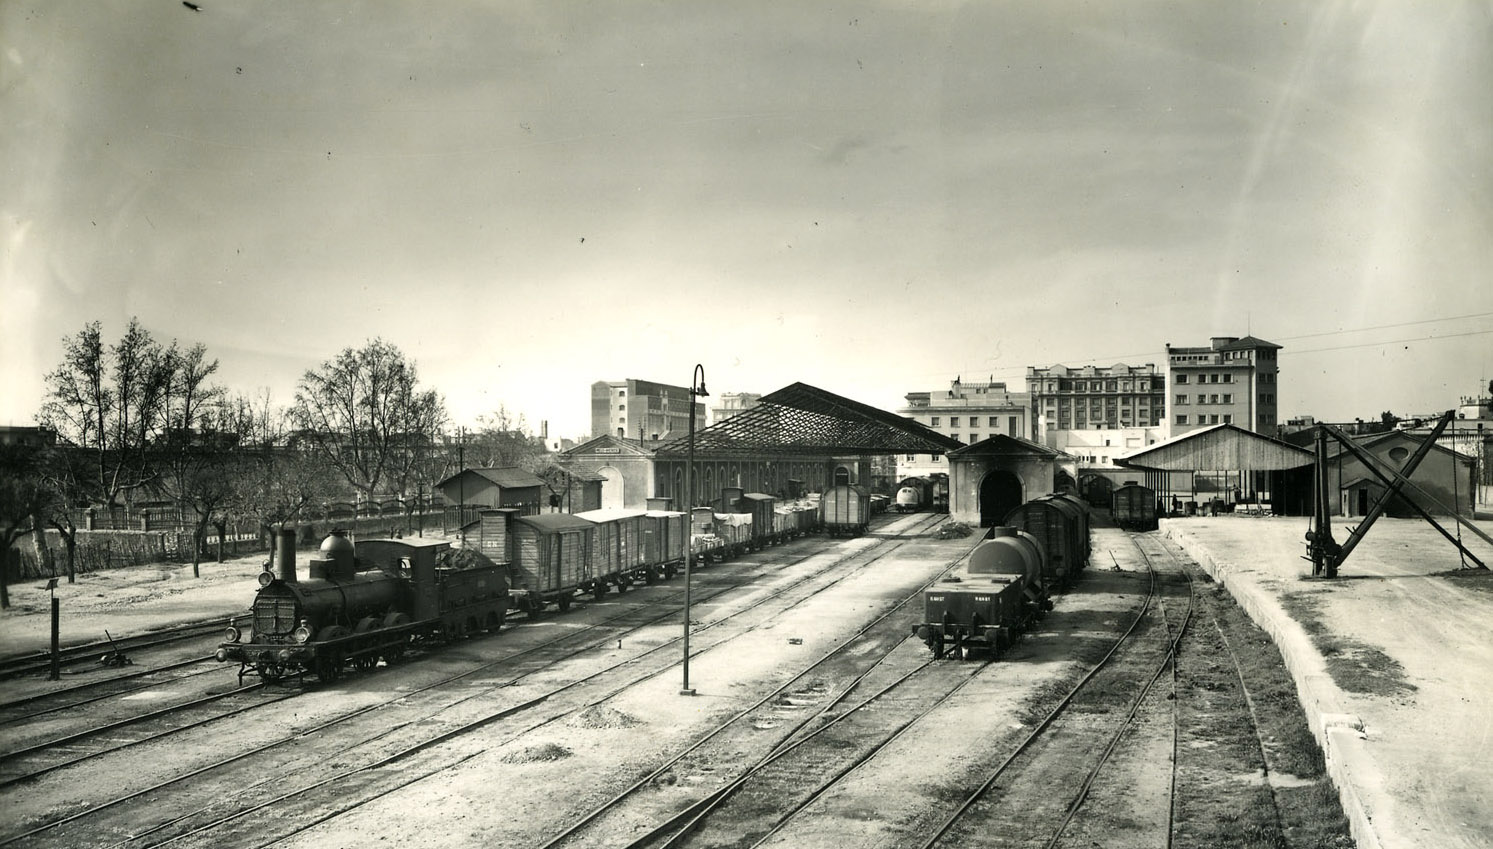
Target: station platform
[(1393, 663)]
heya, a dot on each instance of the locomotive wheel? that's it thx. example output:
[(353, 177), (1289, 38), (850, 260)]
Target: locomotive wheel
[(395, 648), (329, 659)]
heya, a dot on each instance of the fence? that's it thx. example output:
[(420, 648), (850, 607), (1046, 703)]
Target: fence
[(104, 548)]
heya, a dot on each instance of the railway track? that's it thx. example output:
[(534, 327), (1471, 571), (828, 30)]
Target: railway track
[(172, 829), (91, 653), (1031, 796), (840, 723)]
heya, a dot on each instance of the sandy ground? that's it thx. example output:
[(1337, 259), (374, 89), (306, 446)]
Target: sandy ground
[(1411, 756)]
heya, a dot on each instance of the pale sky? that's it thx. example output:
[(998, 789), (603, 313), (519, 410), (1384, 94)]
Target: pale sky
[(871, 198)]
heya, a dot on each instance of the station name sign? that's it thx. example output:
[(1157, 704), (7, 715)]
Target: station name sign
[(609, 451)]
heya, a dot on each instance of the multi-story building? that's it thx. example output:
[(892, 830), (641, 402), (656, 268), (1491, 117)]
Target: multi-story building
[(731, 403), (966, 412), (1095, 398), (1232, 381), (641, 409)]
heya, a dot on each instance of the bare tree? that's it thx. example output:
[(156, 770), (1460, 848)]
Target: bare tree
[(112, 402), (504, 440), (364, 413)]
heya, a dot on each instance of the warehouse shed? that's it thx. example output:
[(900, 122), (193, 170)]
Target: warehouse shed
[(1233, 468)]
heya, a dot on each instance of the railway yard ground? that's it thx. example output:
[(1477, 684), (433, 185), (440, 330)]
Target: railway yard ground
[(818, 722)]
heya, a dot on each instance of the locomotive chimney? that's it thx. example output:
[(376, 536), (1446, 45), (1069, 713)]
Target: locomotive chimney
[(285, 552)]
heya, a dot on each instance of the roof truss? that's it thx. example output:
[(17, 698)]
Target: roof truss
[(802, 419)]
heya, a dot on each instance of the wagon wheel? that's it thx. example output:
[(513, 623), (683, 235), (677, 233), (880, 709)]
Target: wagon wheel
[(670, 572), (936, 643), (622, 584), (563, 602), (599, 590)]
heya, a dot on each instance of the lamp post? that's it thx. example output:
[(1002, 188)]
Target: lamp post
[(696, 387)]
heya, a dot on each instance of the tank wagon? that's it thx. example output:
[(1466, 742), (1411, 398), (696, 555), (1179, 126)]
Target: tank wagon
[(1008, 579), (989, 601), (360, 604), (845, 510), (1134, 507)]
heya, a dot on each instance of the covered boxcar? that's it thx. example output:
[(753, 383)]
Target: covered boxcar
[(989, 601), (552, 559), (845, 510), (620, 555), (666, 536), (1061, 528), (1134, 507), (760, 505)]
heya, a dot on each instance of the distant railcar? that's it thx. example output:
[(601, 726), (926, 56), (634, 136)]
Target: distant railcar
[(845, 510), (1134, 507)]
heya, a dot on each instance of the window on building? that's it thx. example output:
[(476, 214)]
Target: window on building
[(1228, 378), (1228, 399), (1212, 378), (1202, 399), (1228, 419), (973, 438), (622, 393), (994, 421), (1011, 425), (1213, 420), (953, 421), (621, 407), (953, 436), (1111, 386), (1181, 399), (933, 422), (1181, 378), (912, 458), (1182, 418), (935, 458), (1212, 399)]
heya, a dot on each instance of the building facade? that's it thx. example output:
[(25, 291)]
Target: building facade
[(966, 412), (731, 403), (642, 410), (1232, 381), (1095, 398)]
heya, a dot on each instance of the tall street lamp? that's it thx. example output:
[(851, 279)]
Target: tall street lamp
[(696, 388)]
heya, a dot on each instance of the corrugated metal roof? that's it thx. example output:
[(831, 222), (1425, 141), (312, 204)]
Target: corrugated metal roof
[(1223, 447)]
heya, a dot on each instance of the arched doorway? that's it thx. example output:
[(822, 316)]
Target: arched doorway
[(1000, 493), (613, 496), (842, 476)]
